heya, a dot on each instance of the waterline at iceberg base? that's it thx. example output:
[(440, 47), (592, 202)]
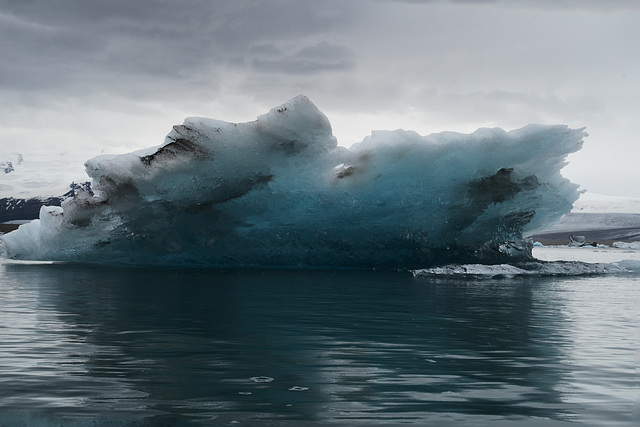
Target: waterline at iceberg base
[(280, 192)]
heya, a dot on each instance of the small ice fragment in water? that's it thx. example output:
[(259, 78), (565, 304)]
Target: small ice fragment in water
[(261, 379)]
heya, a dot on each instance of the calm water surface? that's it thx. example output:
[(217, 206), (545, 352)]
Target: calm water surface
[(82, 345)]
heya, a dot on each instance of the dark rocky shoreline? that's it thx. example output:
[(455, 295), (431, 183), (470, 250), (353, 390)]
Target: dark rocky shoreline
[(602, 236), (601, 228)]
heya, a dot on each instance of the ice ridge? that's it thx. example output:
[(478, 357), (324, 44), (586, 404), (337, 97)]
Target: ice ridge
[(280, 192)]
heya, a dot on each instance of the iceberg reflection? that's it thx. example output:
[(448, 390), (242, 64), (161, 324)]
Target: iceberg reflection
[(169, 347)]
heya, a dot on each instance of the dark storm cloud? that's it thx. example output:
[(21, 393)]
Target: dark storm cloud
[(81, 43), (113, 73)]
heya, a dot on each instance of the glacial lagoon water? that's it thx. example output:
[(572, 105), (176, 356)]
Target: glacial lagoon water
[(85, 345)]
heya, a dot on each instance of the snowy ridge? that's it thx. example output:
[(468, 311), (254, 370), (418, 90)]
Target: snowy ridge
[(280, 192)]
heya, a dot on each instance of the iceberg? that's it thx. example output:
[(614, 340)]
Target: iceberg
[(280, 192)]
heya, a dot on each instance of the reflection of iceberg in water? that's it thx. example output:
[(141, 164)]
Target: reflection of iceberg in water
[(280, 192), (149, 347)]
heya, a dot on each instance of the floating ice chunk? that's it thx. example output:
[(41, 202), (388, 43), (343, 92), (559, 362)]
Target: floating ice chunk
[(261, 379), (627, 245), (480, 270), (279, 191), (539, 268)]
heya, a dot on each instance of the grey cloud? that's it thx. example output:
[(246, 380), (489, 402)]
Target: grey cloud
[(27, 50), (593, 5), (299, 66), (146, 42), (113, 66), (209, 24), (514, 108), (313, 59)]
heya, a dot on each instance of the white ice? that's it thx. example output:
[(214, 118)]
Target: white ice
[(280, 192)]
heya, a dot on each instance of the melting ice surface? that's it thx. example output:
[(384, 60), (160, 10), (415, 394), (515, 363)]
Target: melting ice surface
[(280, 192)]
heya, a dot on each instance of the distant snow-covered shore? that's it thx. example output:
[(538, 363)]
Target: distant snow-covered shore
[(599, 218), (598, 203), (585, 254)]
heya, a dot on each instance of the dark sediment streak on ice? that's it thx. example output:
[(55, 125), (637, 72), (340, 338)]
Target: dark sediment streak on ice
[(279, 192)]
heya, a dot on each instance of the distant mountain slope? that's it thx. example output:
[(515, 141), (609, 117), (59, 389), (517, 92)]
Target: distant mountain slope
[(12, 209), (17, 209)]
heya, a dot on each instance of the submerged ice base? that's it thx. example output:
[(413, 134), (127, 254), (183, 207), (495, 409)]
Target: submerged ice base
[(280, 192)]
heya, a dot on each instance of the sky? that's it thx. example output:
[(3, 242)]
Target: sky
[(80, 78)]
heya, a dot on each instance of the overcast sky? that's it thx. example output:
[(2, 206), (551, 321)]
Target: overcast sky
[(78, 77)]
